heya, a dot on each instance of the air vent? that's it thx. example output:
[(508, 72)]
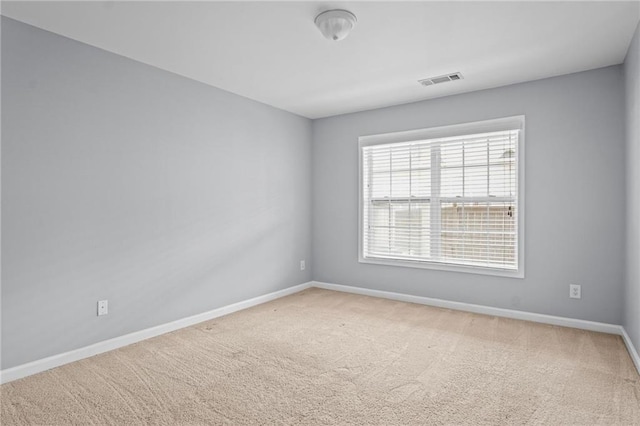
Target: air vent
[(440, 79)]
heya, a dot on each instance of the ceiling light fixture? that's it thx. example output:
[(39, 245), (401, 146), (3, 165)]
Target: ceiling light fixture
[(336, 24)]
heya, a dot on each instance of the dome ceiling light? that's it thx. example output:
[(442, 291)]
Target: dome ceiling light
[(335, 24)]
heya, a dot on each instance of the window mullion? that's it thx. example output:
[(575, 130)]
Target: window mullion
[(435, 213), (487, 223), (463, 217), (410, 193), (369, 198), (390, 220)]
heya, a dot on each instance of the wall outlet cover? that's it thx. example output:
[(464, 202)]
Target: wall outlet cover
[(575, 291), (103, 307)]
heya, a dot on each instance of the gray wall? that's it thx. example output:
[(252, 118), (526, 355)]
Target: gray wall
[(124, 182), (574, 196), (632, 288)]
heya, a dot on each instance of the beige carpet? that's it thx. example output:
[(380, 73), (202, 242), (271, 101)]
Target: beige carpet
[(323, 357)]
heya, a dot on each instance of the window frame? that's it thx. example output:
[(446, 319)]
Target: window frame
[(485, 126)]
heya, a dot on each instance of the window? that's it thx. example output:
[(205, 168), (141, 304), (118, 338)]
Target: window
[(445, 198)]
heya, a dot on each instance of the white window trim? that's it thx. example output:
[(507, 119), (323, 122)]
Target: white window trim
[(514, 122)]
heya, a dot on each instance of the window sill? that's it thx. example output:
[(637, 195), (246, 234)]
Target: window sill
[(444, 267)]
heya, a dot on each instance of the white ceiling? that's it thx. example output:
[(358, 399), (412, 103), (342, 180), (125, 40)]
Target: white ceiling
[(273, 53)]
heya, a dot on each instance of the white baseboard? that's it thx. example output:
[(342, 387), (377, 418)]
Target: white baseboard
[(632, 349), (478, 309), (48, 363), (498, 312)]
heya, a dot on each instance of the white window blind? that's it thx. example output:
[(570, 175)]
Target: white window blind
[(447, 200)]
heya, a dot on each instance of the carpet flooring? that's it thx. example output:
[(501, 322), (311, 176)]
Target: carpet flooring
[(324, 357)]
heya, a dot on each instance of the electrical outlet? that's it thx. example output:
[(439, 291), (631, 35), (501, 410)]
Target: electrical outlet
[(103, 307), (575, 291), (302, 265)]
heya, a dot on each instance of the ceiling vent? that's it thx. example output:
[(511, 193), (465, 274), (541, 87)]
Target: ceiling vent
[(441, 79)]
